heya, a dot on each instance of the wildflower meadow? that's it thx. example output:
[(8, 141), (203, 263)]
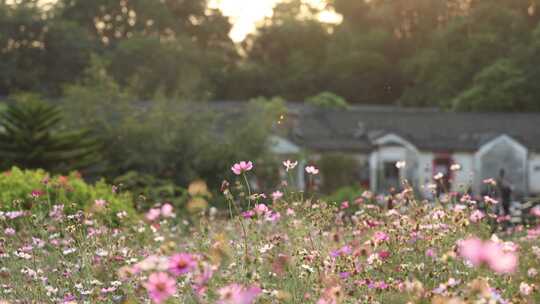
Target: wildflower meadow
[(286, 246)]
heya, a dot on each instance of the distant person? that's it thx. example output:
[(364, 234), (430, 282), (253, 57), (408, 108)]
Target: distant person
[(504, 190)]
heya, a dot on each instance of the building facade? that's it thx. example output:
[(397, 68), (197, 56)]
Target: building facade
[(460, 150)]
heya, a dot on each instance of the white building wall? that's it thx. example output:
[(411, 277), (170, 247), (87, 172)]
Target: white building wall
[(425, 172), (534, 173), (393, 153), (425, 168), (464, 178), (461, 179)]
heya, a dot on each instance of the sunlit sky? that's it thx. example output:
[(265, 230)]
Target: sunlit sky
[(246, 13)]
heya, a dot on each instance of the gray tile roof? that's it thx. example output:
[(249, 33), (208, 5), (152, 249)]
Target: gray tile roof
[(427, 129)]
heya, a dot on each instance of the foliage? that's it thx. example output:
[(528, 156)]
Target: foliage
[(345, 194), (497, 88), (337, 170), (170, 139), (328, 100), (150, 189), (429, 53), (37, 191), (32, 137), (170, 68), (39, 53)]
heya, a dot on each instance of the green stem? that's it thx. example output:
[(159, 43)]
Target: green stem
[(248, 188), (244, 233)]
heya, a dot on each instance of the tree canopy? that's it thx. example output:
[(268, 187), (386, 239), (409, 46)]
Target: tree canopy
[(432, 53)]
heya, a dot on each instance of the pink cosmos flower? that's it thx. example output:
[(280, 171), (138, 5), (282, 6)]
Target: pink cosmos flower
[(57, 212), (499, 259), (272, 216), (248, 214), (14, 214), (327, 301), (525, 289), (380, 236), (100, 203), (312, 170), (182, 263), (536, 211), (153, 214), (489, 200), (491, 253), (289, 165), (384, 254), (503, 218), (167, 210), (36, 193), (260, 209), (472, 250), (344, 205), (276, 195), (438, 214), (200, 281), (367, 195), (237, 294), (330, 295), (242, 167), (490, 181), (476, 216), (9, 231), (160, 287)]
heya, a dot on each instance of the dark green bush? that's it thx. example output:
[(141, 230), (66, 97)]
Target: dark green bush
[(338, 170), (149, 190), (350, 194)]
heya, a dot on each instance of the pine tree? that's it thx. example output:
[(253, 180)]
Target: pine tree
[(31, 137)]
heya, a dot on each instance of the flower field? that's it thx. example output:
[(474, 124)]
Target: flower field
[(284, 247)]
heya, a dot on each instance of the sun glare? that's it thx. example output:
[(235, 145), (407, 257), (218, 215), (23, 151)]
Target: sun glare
[(246, 13)]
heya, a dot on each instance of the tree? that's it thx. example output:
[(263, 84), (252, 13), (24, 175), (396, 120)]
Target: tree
[(460, 51), (360, 68), (38, 52), (499, 87), (173, 140), (112, 21), (284, 56), (32, 137), (176, 44), (173, 68)]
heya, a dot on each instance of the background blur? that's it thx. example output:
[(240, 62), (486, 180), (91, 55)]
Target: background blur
[(152, 95)]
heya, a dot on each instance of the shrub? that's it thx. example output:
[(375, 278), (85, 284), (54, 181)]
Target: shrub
[(350, 194), (338, 170), (170, 139), (38, 191), (150, 189), (328, 100)]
